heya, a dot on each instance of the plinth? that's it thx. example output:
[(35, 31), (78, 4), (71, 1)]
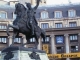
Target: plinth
[(22, 53)]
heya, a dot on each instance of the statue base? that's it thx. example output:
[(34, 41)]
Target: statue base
[(22, 53)]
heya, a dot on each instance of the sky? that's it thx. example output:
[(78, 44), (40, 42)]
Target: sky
[(57, 2)]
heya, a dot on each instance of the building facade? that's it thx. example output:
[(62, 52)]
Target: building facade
[(62, 26), (13, 2), (33, 2)]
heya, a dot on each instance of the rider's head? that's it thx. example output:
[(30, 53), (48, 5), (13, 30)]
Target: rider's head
[(28, 5)]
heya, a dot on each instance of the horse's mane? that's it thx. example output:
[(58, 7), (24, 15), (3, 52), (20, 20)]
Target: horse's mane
[(23, 6), (19, 5)]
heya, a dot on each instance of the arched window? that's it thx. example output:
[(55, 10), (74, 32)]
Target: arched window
[(71, 13), (3, 14), (44, 14), (58, 14)]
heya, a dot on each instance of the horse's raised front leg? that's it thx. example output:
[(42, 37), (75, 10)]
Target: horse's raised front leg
[(13, 26)]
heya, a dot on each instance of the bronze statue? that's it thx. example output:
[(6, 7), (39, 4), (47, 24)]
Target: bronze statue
[(34, 55), (22, 24), (8, 55), (31, 15)]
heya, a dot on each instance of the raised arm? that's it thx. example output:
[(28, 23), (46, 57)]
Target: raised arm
[(37, 4)]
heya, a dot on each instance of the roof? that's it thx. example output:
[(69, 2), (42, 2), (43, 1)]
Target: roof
[(49, 8)]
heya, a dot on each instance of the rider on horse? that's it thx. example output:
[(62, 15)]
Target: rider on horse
[(31, 15), (25, 18)]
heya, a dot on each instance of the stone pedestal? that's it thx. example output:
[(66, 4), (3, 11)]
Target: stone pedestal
[(22, 53)]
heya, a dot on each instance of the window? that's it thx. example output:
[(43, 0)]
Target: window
[(17, 40), (44, 14), (3, 26), (32, 40), (3, 39), (14, 16), (60, 49), (74, 48), (59, 39), (71, 13), (72, 24), (58, 14), (47, 40), (3, 15), (58, 25), (44, 25), (73, 37)]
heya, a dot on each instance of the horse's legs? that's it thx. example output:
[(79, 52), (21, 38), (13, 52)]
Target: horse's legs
[(8, 30), (43, 35), (27, 38), (13, 26), (37, 35), (14, 35)]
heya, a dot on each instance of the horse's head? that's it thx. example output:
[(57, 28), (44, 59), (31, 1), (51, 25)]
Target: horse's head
[(19, 7)]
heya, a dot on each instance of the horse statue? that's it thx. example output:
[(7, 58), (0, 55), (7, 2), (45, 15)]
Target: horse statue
[(21, 25)]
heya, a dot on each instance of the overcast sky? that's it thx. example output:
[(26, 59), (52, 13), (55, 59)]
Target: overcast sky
[(56, 2), (61, 1)]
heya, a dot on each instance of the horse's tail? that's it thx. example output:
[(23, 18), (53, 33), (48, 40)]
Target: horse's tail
[(8, 30)]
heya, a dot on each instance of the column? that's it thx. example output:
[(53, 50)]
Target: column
[(10, 40), (40, 44), (53, 47), (24, 40), (67, 44)]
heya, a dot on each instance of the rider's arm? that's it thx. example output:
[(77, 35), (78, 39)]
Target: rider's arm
[(37, 4)]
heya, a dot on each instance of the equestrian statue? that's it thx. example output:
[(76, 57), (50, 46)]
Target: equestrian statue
[(26, 23)]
